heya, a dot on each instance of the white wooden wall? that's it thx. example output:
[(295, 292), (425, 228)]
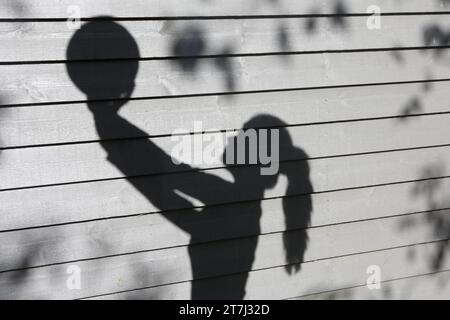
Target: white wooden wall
[(369, 107)]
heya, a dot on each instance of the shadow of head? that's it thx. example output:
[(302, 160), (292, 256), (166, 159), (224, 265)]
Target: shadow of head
[(103, 60), (258, 145)]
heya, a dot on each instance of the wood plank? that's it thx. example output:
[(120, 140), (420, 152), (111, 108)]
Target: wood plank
[(328, 208), (29, 41), (62, 123), (225, 257), (89, 161), (157, 78), (314, 277), (427, 287), (174, 8), (103, 199), (155, 231)]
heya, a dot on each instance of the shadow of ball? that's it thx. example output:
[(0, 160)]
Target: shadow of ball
[(112, 75)]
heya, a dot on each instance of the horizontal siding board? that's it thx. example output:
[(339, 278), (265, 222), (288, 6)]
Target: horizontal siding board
[(174, 8), (314, 277), (149, 232), (425, 287), (30, 41), (104, 199), (156, 78), (392, 267), (328, 208), (221, 258), (62, 123), (81, 162)]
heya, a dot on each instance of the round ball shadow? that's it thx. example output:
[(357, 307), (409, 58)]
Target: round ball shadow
[(103, 60)]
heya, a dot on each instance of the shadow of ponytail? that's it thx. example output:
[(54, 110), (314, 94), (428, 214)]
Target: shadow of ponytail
[(297, 210)]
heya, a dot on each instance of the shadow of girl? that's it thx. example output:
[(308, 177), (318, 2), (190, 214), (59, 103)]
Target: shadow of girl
[(108, 85)]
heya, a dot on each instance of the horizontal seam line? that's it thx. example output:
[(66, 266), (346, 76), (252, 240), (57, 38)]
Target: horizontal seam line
[(363, 286), (222, 167), (169, 211), (235, 55), (228, 17), (217, 241), (268, 268), (227, 93), (317, 123)]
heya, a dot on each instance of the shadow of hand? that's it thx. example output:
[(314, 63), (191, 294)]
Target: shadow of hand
[(294, 245)]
